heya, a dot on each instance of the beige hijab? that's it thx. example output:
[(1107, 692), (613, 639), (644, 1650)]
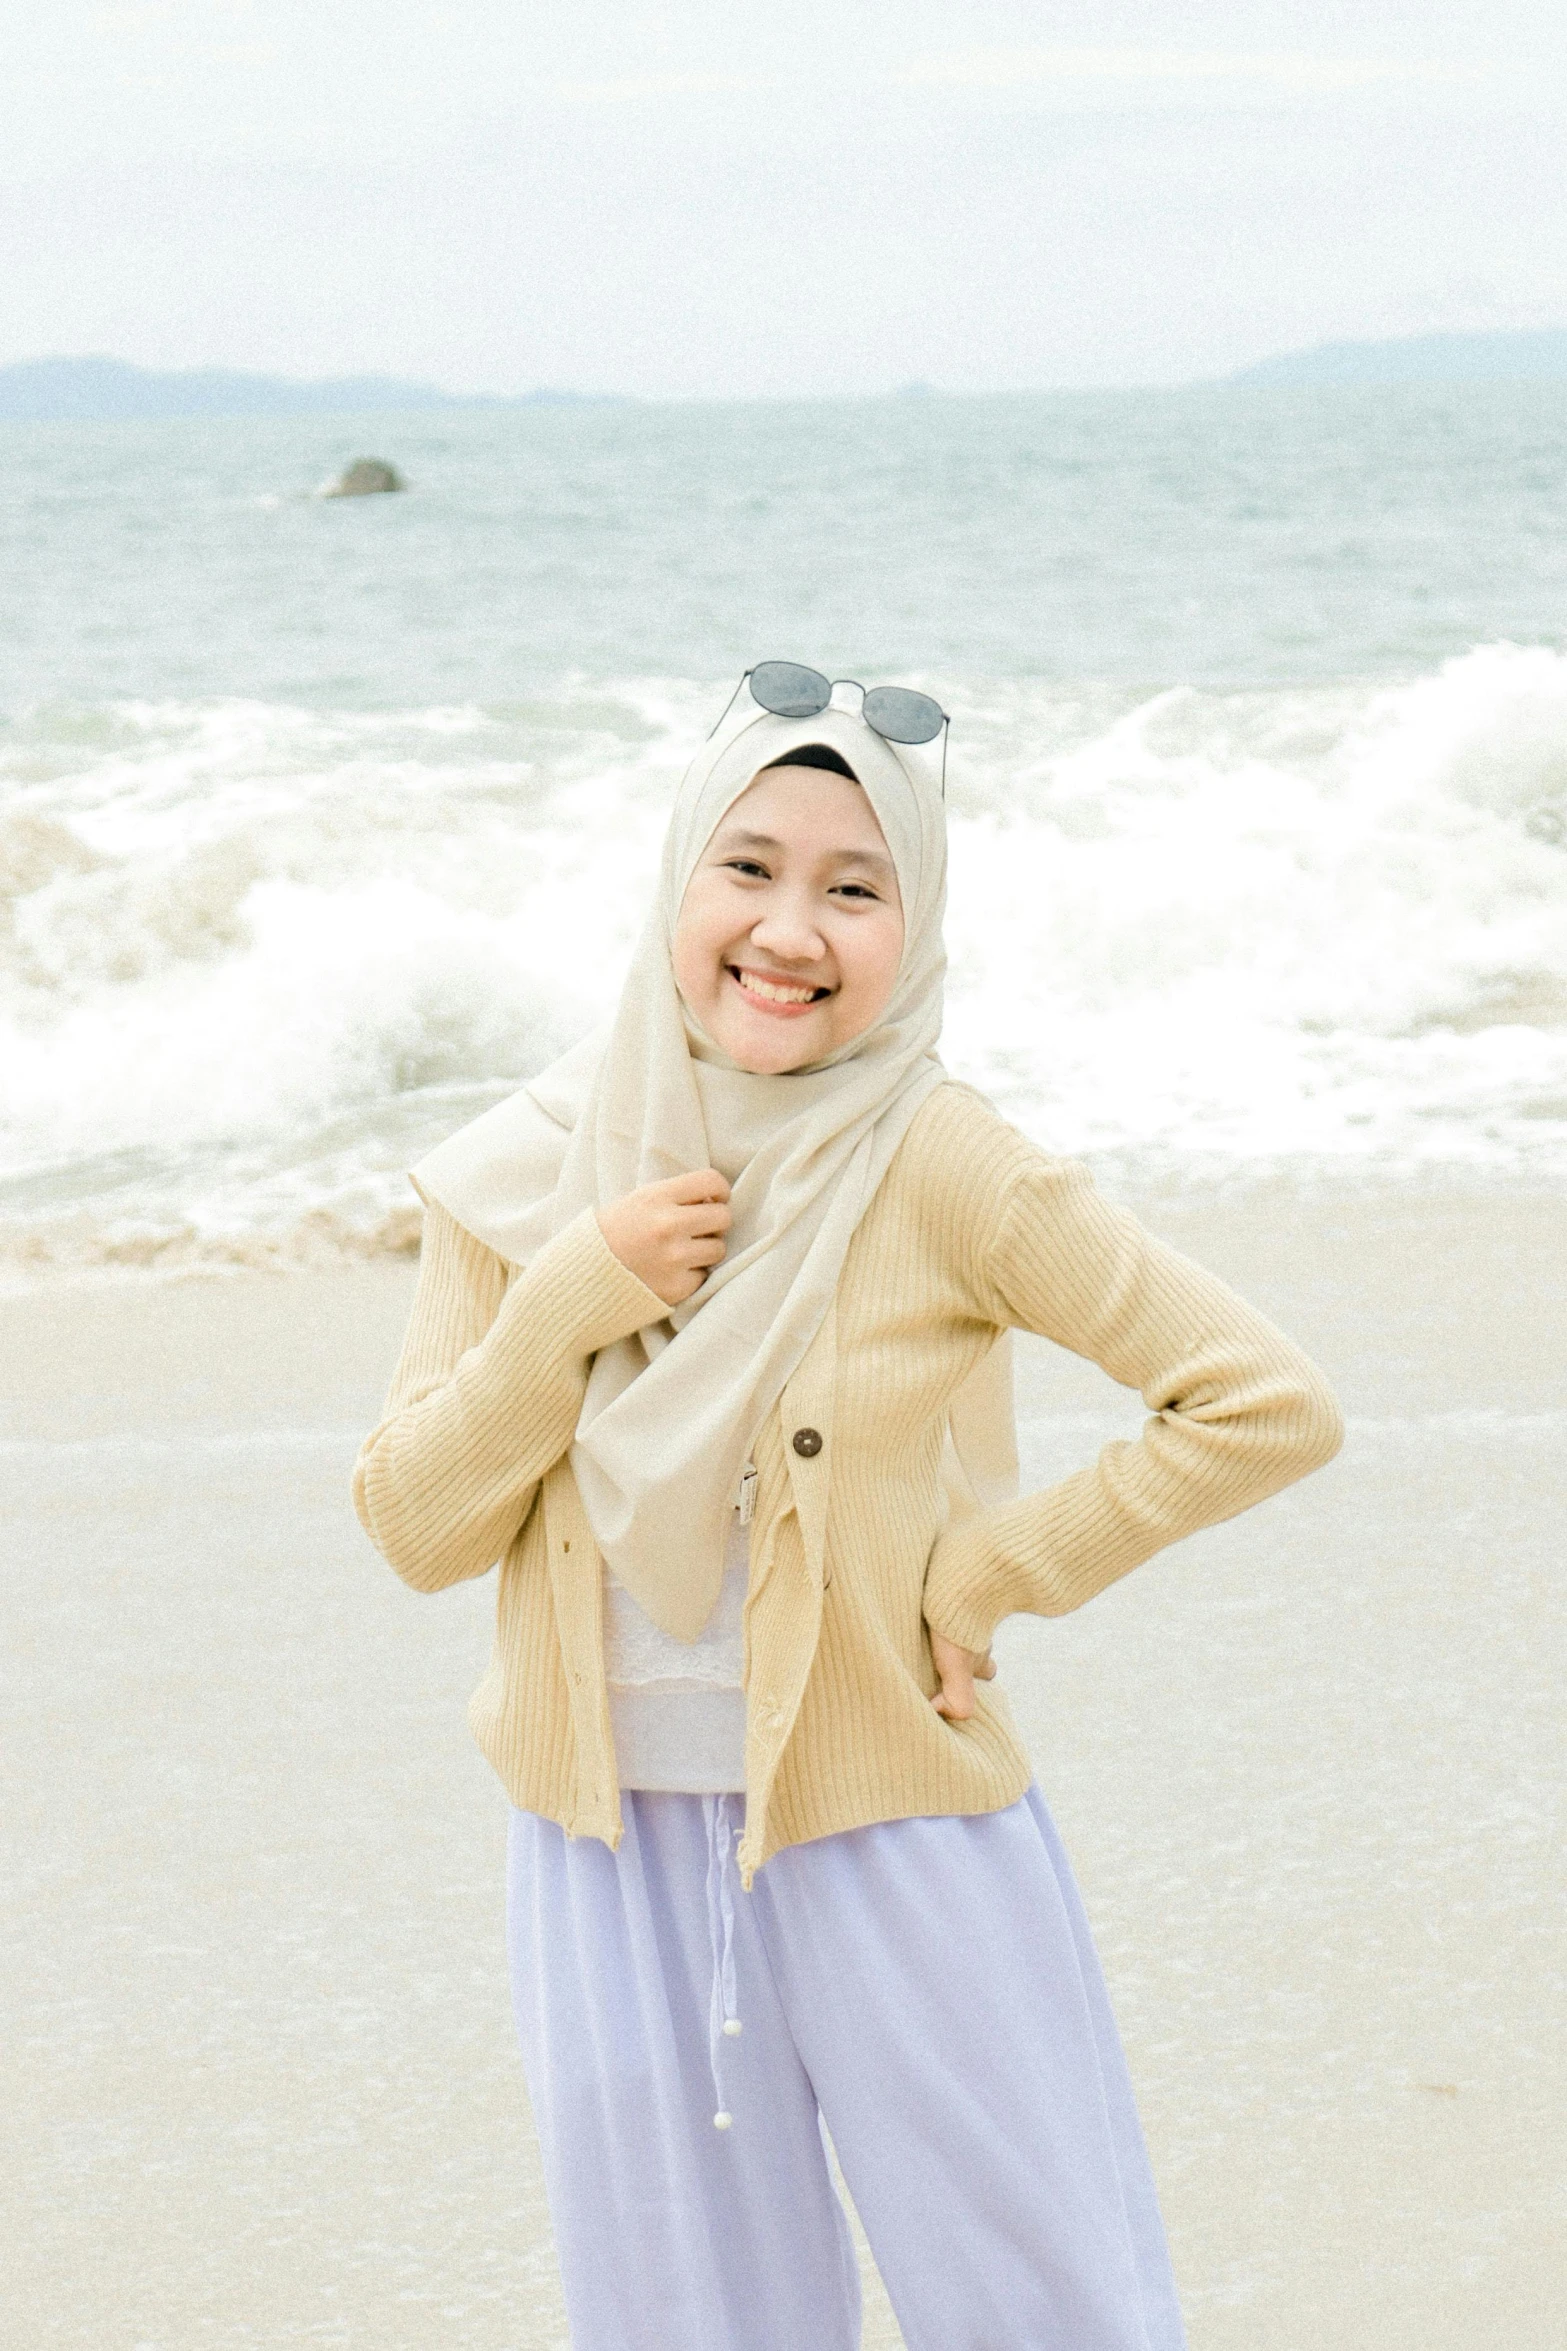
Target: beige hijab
[(671, 1413)]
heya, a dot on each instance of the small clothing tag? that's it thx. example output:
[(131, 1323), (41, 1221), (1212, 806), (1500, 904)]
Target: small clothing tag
[(747, 1502)]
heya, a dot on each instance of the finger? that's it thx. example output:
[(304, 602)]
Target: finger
[(687, 1235), (702, 1253), (955, 1698), (703, 1221), (705, 1184), (985, 1671)]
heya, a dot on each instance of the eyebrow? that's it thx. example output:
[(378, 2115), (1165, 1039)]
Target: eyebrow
[(741, 840)]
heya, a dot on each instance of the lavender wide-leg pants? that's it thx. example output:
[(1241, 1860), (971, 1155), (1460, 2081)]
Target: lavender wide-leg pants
[(928, 1990)]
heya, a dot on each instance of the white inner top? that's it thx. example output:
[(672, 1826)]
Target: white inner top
[(677, 1708)]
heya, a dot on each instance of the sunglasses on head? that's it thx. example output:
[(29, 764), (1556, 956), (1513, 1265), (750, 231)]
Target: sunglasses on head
[(789, 690)]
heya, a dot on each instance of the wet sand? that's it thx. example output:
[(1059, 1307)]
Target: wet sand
[(258, 2076)]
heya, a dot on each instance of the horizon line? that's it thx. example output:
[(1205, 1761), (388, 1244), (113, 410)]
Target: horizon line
[(1255, 373)]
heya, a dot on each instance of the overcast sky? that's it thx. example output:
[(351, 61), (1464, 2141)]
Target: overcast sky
[(735, 199)]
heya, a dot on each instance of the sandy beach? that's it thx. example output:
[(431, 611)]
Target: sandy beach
[(259, 2077)]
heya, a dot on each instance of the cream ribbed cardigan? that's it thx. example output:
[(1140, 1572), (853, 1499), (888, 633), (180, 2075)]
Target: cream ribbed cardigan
[(973, 1229)]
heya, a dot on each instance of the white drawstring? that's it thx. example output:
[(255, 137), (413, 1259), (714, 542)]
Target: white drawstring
[(722, 2021)]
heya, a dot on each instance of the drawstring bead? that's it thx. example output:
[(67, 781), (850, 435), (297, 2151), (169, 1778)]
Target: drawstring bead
[(723, 2024)]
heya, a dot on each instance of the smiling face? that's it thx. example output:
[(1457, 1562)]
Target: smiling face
[(791, 928)]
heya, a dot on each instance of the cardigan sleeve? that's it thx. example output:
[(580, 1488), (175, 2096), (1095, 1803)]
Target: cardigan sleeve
[(486, 1393), (1237, 1411)]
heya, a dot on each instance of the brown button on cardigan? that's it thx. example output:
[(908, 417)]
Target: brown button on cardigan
[(973, 1230)]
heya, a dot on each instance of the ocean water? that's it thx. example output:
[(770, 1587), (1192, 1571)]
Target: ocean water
[(323, 823)]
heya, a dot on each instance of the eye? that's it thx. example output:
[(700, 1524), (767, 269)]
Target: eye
[(750, 867), (857, 890)]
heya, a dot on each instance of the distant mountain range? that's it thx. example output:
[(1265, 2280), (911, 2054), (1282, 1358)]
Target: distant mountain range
[(103, 390), (1537, 356)]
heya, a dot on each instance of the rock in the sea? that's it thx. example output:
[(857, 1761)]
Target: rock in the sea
[(364, 478)]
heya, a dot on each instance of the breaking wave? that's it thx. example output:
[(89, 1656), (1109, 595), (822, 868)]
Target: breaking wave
[(254, 959)]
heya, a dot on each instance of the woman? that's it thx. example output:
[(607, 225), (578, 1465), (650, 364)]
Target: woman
[(709, 1352)]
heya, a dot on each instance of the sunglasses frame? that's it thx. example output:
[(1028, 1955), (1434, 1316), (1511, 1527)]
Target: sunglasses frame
[(942, 734)]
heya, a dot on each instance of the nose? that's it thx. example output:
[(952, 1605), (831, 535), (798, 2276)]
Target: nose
[(788, 932)]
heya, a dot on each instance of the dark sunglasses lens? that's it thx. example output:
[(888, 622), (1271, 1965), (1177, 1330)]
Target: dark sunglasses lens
[(788, 690), (903, 717)]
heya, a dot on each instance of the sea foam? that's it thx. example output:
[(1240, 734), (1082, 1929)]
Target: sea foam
[(254, 958)]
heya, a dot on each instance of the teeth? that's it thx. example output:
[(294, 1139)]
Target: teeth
[(776, 991)]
